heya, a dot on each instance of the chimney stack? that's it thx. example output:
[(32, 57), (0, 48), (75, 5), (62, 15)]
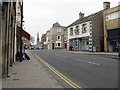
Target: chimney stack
[(81, 15), (106, 5)]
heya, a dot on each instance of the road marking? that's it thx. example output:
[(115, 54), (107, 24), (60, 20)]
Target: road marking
[(68, 81), (87, 62), (60, 55)]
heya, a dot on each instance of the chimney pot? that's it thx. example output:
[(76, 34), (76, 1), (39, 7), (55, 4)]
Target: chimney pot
[(81, 15), (106, 5)]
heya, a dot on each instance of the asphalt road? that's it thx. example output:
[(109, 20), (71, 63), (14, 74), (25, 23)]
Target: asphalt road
[(88, 71)]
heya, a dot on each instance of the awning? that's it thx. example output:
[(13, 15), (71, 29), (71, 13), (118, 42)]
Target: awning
[(24, 33), (112, 38)]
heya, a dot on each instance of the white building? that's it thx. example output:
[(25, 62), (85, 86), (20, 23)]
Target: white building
[(86, 33), (32, 40)]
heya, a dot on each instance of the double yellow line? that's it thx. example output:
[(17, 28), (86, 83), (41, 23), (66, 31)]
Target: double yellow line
[(68, 81)]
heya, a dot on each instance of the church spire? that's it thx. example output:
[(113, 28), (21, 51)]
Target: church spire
[(38, 44), (37, 37)]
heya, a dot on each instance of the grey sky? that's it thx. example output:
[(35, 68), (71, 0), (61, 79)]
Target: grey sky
[(39, 15)]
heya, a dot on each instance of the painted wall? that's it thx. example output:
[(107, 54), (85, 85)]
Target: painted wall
[(87, 33), (54, 32)]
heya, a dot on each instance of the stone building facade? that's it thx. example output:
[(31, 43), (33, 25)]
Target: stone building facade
[(9, 30), (86, 33), (111, 29), (57, 36)]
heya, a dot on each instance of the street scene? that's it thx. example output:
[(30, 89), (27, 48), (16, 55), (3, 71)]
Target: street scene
[(68, 45), (87, 71)]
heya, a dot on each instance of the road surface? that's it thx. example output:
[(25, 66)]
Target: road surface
[(87, 71)]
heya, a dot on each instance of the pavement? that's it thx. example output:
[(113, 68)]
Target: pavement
[(29, 74), (95, 53), (108, 54)]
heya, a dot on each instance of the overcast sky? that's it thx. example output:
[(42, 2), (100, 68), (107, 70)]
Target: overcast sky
[(39, 15)]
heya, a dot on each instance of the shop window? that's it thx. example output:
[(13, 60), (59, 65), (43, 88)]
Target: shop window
[(113, 33), (87, 43)]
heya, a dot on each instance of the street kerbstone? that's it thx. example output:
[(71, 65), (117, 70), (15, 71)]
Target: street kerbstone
[(30, 74)]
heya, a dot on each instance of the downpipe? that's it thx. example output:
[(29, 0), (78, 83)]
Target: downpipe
[(9, 37), (21, 54)]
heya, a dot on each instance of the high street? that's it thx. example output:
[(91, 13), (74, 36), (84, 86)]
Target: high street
[(87, 71)]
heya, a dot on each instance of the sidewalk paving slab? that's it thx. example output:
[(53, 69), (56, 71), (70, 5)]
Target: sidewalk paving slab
[(95, 53), (29, 74)]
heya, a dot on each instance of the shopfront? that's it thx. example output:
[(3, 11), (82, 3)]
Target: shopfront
[(85, 44), (112, 39)]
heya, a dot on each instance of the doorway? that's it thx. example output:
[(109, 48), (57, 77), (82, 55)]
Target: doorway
[(53, 46)]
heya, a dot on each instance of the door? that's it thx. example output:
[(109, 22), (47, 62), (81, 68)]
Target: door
[(53, 46), (65, 45)]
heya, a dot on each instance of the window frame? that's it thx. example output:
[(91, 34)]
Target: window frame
[(59, 30), (59, 44), (71, 31), (76, 31), (111, 16), (84, 28), (58, 36)]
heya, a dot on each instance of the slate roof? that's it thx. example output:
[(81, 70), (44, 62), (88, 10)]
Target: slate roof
[(56, 24), (84, 19)]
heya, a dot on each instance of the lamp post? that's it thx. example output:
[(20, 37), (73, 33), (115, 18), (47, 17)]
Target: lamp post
[(21, 32)]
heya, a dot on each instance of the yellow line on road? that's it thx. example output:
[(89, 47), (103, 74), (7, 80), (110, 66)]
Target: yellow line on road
[(68, 81)]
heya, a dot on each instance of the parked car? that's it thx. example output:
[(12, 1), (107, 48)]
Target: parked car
[(39, 48), (32, 48)]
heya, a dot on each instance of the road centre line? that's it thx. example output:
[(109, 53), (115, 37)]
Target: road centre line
[(87, 62), (68, 81)]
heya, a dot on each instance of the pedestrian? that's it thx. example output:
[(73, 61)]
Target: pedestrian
[(71, 48), (23, 52), (25, 56)]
